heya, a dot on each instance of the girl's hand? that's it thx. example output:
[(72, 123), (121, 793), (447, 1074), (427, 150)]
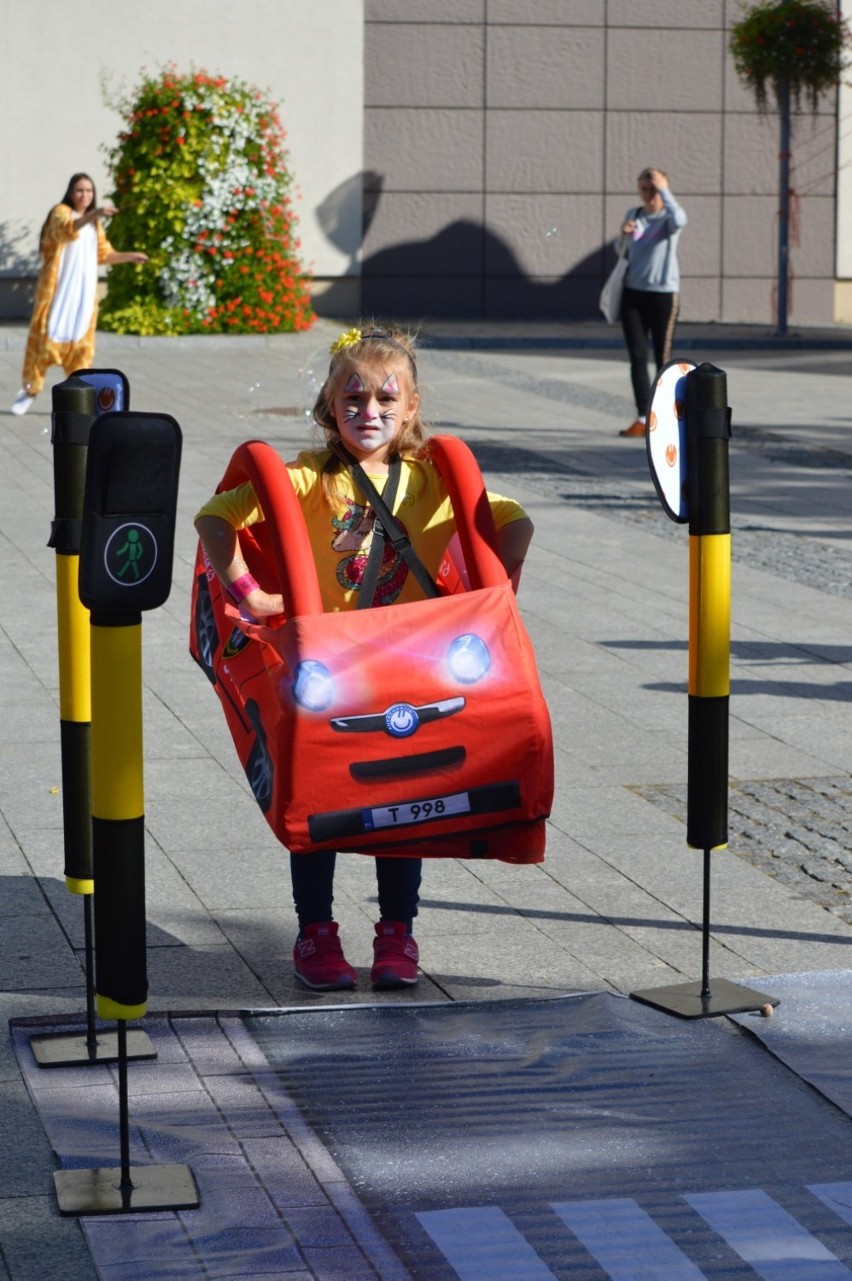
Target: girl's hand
[(261, 605), (628, 228)]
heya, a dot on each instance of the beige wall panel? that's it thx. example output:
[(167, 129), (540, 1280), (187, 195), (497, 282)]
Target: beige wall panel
[(814, 255), (545, 67), (750, 237), (519, 298), (555, 13), (415, 10), (544, 151), (750, 245), (811, 302), (416, 298), (420, 231), (688, 146), (699, 300), (749, 301), (737, 99), (751, 156), (700, 244), (424, 150), (546, 235), (437, 65), (56, 57), (689, 76), (666, 13)]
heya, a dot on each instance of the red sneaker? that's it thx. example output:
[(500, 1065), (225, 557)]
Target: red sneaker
[(396, 956), (318, 959)]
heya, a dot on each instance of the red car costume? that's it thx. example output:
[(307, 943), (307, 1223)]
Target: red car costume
[(420, 730)]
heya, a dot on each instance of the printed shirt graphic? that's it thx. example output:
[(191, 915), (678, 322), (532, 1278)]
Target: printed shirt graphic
[(354, 537), (341, 538)]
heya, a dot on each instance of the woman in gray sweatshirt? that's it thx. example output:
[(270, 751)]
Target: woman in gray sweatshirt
[(651, 298)]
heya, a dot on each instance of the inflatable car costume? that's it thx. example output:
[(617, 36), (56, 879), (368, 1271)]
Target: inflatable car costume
[(417, 730)]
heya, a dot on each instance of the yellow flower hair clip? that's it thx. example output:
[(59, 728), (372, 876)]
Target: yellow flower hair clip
[(348, 338)]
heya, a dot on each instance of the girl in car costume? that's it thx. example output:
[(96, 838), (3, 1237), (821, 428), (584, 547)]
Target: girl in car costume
[(369, 404)]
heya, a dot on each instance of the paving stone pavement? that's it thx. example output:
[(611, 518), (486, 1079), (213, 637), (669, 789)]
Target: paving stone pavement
[(604, 594)]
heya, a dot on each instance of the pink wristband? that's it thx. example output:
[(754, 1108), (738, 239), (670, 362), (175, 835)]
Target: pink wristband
[(240, 587)]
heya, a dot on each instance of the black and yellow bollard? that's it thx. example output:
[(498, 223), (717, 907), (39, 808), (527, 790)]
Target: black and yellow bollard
[(74, 412), (125, 567), (699, 396), (118, 816), (75, 408), (708, 422)]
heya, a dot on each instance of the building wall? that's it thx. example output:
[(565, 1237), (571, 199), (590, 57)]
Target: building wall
[(502, 140), (63, 62), (487, 149)]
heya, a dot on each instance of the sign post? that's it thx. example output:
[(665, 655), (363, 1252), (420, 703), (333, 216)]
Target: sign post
[(689, 425), (76, 404), (125, 567)]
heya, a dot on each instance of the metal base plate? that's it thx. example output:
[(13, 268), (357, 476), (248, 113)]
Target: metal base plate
[(153, 1187), (59, 1049), (686, 1000)]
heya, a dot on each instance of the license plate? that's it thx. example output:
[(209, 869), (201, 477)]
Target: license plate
[(416, 811)]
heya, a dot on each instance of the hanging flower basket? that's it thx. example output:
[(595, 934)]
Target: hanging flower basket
[(800, 43)]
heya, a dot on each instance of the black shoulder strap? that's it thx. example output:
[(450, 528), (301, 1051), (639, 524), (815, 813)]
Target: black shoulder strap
[(386, 527), (370, 581)]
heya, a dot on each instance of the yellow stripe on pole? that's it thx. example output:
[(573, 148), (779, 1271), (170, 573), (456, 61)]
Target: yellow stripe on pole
[(117, 774), (77, 885), (72, 618), (710, 615), (114, 1010)]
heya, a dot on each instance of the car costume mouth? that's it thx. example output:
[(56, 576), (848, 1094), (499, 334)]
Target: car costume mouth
[(401, 720)]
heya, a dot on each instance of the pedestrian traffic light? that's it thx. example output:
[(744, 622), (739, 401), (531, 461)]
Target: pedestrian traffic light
[(129, 512)]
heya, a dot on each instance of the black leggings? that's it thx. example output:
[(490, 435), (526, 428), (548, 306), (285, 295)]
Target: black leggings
[(643, 313), (398, 881)]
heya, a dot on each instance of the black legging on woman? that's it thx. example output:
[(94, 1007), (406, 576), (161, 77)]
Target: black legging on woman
[(642, 313)]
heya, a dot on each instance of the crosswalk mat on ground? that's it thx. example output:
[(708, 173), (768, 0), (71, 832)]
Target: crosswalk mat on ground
[(585, 1137), (579, 1138)]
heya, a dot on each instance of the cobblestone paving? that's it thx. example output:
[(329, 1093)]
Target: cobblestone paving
[(798, 831)]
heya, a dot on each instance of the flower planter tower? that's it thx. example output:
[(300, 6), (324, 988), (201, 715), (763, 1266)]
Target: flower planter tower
[(795, 48), (201, 180)]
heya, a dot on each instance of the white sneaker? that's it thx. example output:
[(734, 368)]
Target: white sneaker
[(23, 400)]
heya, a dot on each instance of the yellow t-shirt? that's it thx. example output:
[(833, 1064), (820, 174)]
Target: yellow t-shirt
[(341, 536)]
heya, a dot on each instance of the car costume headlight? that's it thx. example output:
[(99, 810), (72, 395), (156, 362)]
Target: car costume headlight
[(312, 687), (469, 658)]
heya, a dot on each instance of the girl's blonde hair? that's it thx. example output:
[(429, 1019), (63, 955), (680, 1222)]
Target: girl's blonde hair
[(374, 344)]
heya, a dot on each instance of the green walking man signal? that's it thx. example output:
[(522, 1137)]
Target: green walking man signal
[(129, 512)]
